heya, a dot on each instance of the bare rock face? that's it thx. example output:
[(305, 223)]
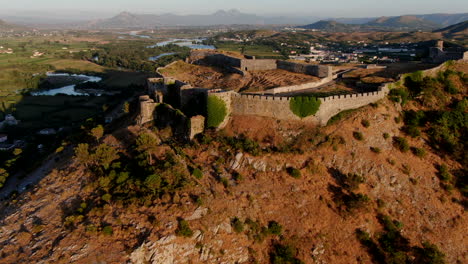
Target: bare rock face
[(175, 250), (241, 161), (199, 213)]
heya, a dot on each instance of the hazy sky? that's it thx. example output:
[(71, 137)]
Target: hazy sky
[(321, 8)]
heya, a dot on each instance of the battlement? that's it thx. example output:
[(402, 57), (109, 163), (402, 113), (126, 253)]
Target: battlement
[(261, 97), (269, 105)]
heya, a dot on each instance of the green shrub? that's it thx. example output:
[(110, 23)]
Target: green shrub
[(412, 131), (376, 150), (365, 123), (284, 254), (401, 144), (418, 152), (274, 228), (237, 176), (237, 225), (295, 173), (304, 106), (444, 173), (216, 111), (399, 95), (107, 230), (386, 135), (414, 118), (183, 229), (358, 135), (197, 173), (340, 116), (430, 253)]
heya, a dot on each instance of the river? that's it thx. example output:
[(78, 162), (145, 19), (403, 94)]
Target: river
[(69, 89), (190, 43)]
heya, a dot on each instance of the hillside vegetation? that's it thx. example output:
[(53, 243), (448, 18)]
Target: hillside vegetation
[(384, 184)]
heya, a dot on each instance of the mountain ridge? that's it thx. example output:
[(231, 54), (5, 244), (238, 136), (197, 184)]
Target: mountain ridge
[(400, 23), (234, 16)]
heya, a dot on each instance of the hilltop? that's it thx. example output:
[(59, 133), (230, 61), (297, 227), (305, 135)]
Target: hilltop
[(380, 184), (455, 32), (403, 23), (400, 23), (460, 29), (331, 26)]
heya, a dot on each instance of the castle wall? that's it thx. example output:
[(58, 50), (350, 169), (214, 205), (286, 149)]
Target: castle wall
[(260, 105), (299, 87), (320, 71), (147, 107), (258, 65), (197, 126), (333, 105)]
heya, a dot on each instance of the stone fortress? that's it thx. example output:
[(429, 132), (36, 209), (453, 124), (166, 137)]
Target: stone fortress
[(265, 104), (439, 54)]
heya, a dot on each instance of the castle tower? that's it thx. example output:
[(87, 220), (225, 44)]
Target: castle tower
[(440, 44)]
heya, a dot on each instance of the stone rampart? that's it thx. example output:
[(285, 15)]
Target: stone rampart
[(261, 105), (147, 107), (258, 65), (197, 126), (320, 71), (299, 87), (333, 105)]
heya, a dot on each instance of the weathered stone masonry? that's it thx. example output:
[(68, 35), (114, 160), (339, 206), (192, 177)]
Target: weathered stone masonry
[(278, 107), (262, 105), (253, 64)]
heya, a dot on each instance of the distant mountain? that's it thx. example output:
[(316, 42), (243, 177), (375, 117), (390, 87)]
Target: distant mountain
[(460, 28), (457, 32), (400, 23), (403, 23), (331, 26), (440, 19), (445, 19), (221, 17), (4, 26)]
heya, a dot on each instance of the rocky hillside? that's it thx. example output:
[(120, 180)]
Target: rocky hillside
[(377, 185)]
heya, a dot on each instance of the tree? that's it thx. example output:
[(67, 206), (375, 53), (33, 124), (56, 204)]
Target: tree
[(153, 182), (148, 144), (105, 155), (82, 154), (97, 132), (126, 107), (3, 176)]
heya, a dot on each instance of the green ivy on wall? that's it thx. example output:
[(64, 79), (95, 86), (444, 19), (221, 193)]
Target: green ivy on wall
[(216, 111), (304, 106)]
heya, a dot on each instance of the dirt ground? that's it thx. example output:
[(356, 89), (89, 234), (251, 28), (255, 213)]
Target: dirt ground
[(253, 81)]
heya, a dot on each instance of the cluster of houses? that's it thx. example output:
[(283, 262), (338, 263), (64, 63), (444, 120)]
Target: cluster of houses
[(4, 50), (37, 54), (356, 52), (6, 144)]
